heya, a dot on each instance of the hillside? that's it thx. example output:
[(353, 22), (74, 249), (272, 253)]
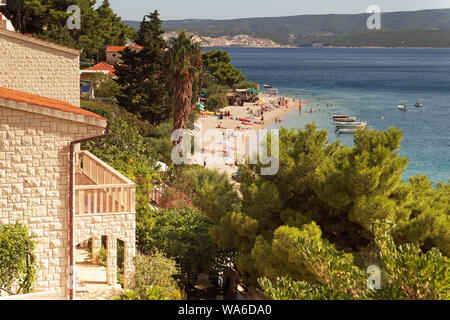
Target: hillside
[(304, 30)]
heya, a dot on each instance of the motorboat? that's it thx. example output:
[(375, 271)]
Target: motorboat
[(268, 86), (402, 108), (355, 124), (335, 117), (348, 119), (418, 105)]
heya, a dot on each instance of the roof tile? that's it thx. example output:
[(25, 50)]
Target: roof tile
[(32, 99), (103, 66)]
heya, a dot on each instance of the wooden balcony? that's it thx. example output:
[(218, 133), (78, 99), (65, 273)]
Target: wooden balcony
[(100, 189)]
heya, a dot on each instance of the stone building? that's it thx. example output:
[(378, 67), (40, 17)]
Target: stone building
[(64, 195), (114, 53)]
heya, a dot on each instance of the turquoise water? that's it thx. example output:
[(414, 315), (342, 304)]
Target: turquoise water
[(368, 84)]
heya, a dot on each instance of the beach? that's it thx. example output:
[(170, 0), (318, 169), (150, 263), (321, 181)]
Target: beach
[(222, 155)]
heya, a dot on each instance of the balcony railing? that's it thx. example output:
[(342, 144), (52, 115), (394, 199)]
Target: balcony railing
[(100, 189)]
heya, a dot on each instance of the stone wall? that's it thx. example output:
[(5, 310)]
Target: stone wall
[(34, 185), (38, 67), (113, 57)]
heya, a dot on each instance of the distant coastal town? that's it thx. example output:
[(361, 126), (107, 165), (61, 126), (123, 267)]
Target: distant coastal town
[(241, 40)]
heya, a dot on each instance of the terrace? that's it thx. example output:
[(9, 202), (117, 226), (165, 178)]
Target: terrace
[(100, 189), (104, 208)]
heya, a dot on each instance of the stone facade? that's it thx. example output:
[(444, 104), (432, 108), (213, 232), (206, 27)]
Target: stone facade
[(34, 185), (35, 138), (113, 57), (39, 67)]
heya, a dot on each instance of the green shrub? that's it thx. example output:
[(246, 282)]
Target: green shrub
[(17, 270), (154, 279)]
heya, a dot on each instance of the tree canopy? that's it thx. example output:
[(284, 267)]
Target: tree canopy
[(332, 192), (141, 74), (183, 235), (408, 273), (218, 64)]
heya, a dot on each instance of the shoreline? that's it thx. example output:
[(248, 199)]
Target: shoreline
[(229, 126)]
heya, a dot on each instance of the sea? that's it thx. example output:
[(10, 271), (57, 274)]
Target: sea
[(368, 84)]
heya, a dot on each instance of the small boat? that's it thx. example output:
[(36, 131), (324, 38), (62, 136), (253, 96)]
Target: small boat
[(350, 124), (268, 86), (418, 105), (348, 119), (346, 130), (335, 117), (402, 108)]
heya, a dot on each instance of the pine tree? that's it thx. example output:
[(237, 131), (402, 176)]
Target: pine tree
[(332, 192), (141, 73)]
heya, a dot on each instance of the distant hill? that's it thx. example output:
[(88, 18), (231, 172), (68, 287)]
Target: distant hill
[(329, 29)]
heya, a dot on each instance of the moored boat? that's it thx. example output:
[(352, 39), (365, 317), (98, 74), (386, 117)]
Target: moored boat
[(348, 119), (402, 108), (338, 116), (418, 105), (343, 130), (350, 124)]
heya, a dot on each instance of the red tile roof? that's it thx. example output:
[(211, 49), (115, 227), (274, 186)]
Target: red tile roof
[(121, 48), (103, 66), (32, 99)]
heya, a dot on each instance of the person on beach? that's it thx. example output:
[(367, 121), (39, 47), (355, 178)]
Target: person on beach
[(204, 161)]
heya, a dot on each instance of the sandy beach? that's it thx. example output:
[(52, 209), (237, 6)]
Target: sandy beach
[(222, 155)]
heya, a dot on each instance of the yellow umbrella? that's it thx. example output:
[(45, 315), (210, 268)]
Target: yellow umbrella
[(262, 100)]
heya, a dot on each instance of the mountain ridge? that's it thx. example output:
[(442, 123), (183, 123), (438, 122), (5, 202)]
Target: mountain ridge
[(326, 29)]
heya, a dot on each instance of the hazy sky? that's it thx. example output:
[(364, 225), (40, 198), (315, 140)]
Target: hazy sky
[(230, 9)]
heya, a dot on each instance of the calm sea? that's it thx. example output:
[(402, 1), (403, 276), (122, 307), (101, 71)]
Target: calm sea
[(368, 84)]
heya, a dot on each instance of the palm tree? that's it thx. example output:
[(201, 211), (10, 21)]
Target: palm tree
[(184, 67)]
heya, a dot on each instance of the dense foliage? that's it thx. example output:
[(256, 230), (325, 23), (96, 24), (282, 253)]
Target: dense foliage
[(183, 235), (218, 64), (17, 270), (334, 193), (153, 279), (141, 75), (210, 191), (104, 85), (409, 273)]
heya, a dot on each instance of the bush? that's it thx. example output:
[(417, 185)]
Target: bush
[(154, 279), (104, 85), (17, 270), (183, 234)]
